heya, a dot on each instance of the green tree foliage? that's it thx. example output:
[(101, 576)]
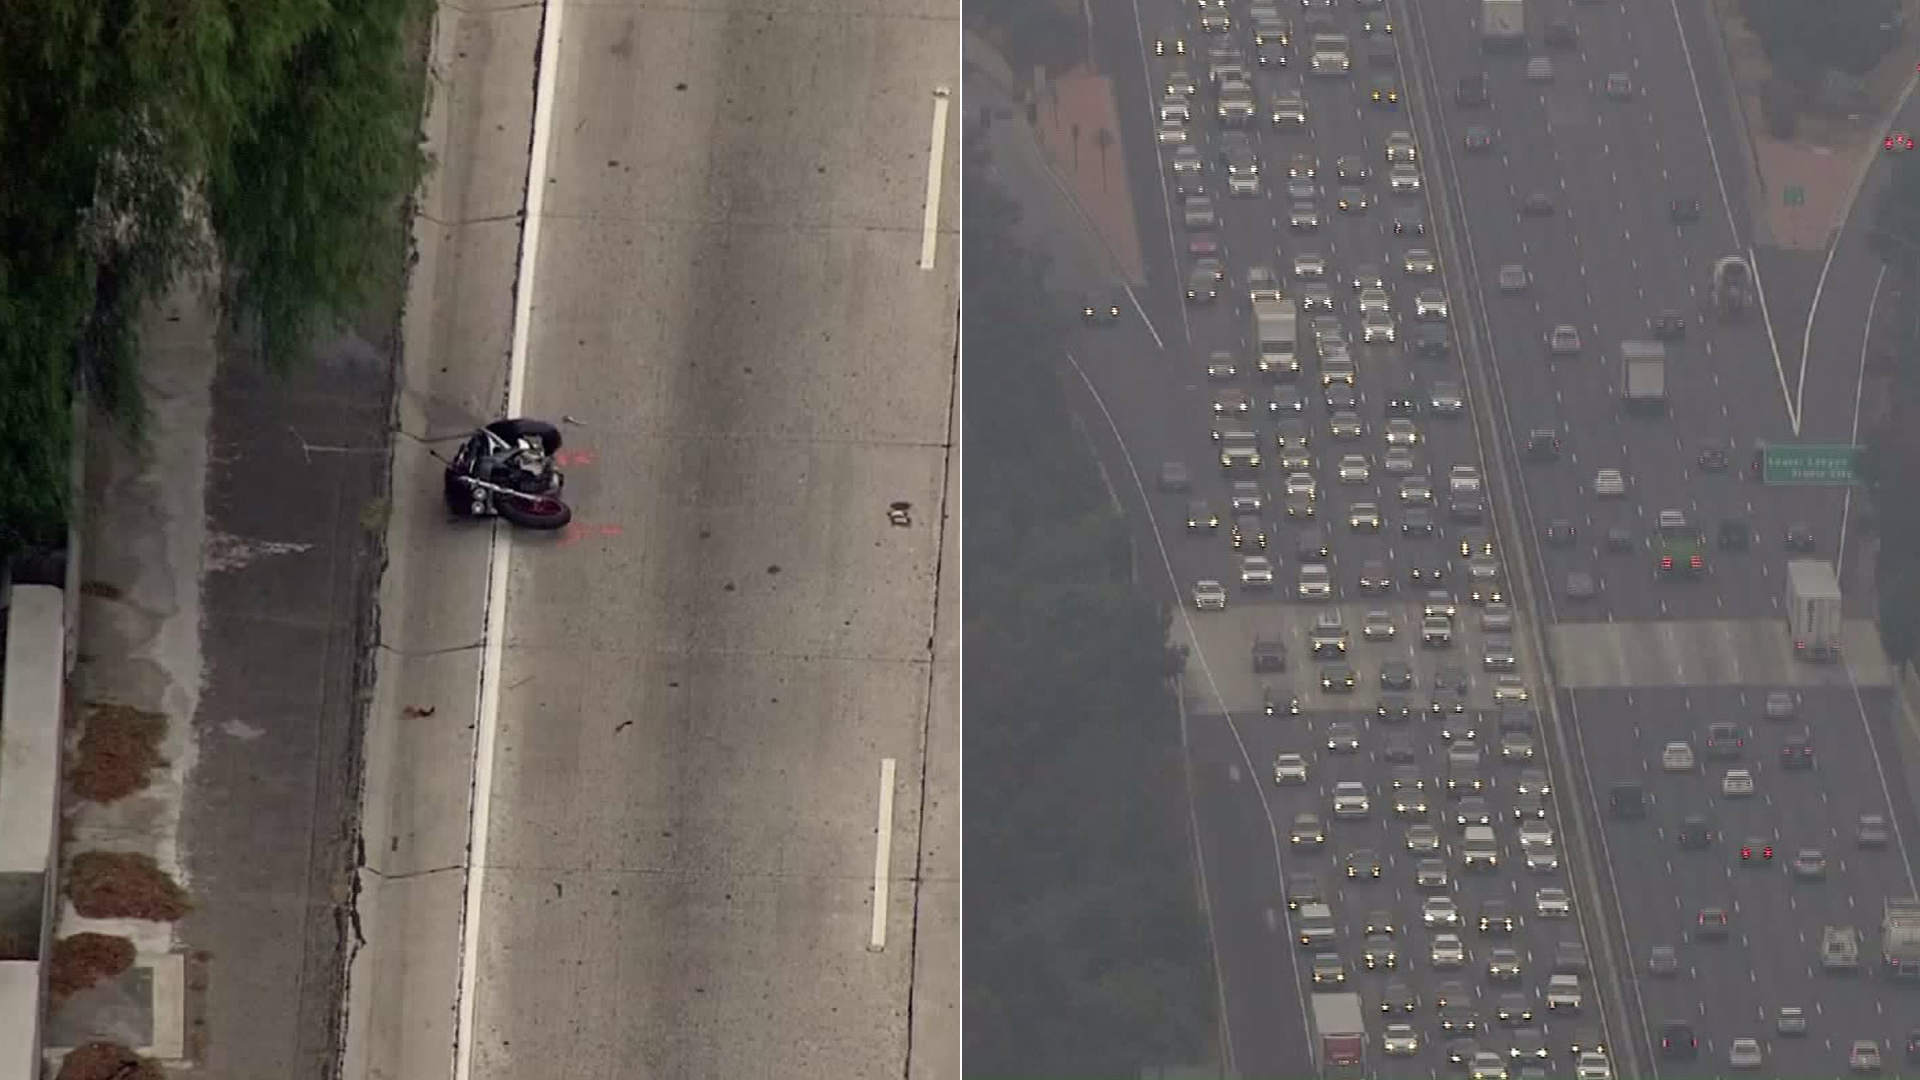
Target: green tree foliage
[(1049, 33), (1803, 39), (274, 140), (1085, 952)]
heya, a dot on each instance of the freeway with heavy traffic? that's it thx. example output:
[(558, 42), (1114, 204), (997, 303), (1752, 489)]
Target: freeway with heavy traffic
[(1573, 210)]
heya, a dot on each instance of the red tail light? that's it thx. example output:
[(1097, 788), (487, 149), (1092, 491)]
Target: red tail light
[(1696, 562), (1666, 562)]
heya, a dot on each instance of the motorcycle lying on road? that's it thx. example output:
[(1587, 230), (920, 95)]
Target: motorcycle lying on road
[(507, 469)]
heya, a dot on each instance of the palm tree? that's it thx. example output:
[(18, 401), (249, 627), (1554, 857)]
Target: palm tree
[(1104, 140)]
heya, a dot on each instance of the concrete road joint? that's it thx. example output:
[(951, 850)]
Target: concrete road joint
[(1422, 92)]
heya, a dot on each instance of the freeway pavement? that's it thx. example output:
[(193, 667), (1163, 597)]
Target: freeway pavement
[(1606, 260), (1656, 658), (1734, 988), (706, 679), (1159, 404)]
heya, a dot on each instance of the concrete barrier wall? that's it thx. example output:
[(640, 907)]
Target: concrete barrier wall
[(32, 707)]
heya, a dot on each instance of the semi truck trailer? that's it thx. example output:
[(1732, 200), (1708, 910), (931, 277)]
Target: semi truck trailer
[(1503, 23), (1813, 609), (1644, 375)]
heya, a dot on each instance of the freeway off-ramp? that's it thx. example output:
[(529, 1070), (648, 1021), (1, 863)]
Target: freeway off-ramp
[(714, 793)]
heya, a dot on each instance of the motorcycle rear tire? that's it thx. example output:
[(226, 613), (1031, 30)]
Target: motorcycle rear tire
[(515, 430), (542, 514)]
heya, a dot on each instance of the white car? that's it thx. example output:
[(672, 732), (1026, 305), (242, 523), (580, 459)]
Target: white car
[(1439, 911), (1423, 839), (1176, 107), (1542, 860), (1745, 1053), (1403, 178), (1419, 261), (1509, 690), (1401, 1041), (1173, 133), (1552, 903), (1540, 69), (1609, 483), (1209, 595), (1737, 784), (1256, 572), (1350, 800), (1402, 432), (1354, 469), (1431, 304), (1464, 480), (1376, 328), (1593, 1067), (1302, 484), (1315, 583), (1677, 757), (1401, 147), (1290, 769), (1379, 626), (1536, 834), (1399, 461), (1448, 951), (1309, 267), (1263, 285), (1375, 300)]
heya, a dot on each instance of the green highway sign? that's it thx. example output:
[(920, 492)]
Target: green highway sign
[(1794, 195), (1810, 464)]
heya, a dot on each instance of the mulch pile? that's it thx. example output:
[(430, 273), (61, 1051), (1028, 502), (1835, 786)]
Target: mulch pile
[(119, 747), (86, 960), (124, 885)]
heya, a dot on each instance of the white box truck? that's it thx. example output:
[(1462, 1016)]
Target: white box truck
[(1340, 1033), (1813, 609), (1503, 23), (1900, 938), (1276, 338), (1644, 378)]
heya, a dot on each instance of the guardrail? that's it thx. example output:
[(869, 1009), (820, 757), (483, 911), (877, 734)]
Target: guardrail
[(32, 705)]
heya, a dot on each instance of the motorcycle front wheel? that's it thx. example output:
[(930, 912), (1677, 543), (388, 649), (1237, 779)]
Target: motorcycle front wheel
[(541, 513)]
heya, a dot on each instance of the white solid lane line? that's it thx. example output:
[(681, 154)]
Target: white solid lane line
[(882, 857), (500, 556), (936, 163)]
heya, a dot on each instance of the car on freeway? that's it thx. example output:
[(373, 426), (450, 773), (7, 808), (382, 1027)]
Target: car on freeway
[(1592, 1067), (1290, 768), (1209, 595), (1404, 179), (1663, 960), (1667, 325), (1503, 964), (1401, 431), (1564, 340), (1329, 970), (1430, 304), (1712, 924), (1609, 484), (1308, 831), (1439, 911), (1863, 1056), (1513, 1008), (1810, 864), (1477, 139), (1619, 86), (1401, 1040), (1677, 757), (1870, 831), (1744, 1053), (1363, 863), (1419, 261), (1540, 69), (1423, 839), (1398, 997), (1447, 952), (1737, 783), (1401, 147)]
